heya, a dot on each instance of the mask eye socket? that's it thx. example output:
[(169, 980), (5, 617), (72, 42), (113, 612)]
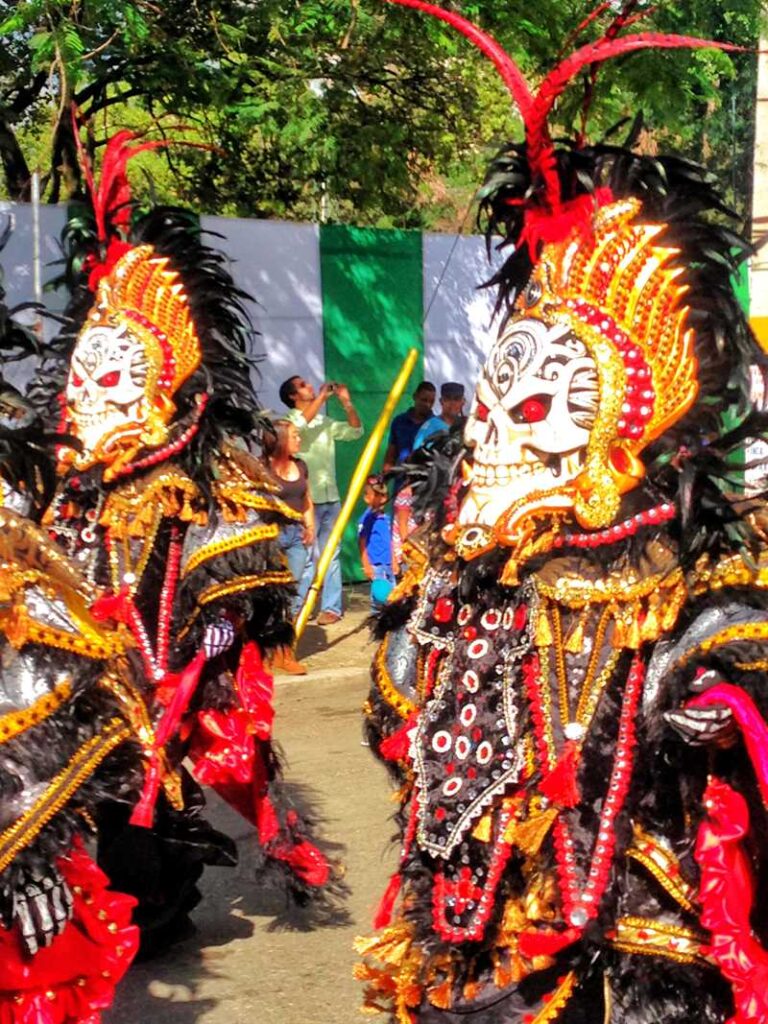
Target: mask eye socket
[(482, 412), (76, 381), (109, 380), (532, 410)]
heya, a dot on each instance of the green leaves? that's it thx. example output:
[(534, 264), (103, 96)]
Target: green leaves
[(407, 115)]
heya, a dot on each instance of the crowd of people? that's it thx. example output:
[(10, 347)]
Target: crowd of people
[(301, 455)]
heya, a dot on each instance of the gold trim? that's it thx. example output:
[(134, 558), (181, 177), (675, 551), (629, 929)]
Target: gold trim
[(236, 498), (732, 634), (387, 689), (265, 531), (558, 1000), (20, 629), (577, 592), (647, 937), (132, 510), (664, 866), (242, 583), (16, 722), (80, 766)]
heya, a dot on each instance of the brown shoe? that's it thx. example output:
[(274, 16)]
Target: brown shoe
[(284, 660), (328, 618)]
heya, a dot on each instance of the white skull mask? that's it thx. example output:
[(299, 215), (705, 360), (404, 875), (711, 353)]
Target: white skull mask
[(530, 421), (107, 381)]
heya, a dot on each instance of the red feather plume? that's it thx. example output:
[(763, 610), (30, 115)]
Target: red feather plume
[(505, 65), (535, 109), (111, 197)]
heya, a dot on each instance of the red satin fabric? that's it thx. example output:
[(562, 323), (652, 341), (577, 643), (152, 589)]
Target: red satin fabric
[(726, 891), (74, 979), (227, 752)]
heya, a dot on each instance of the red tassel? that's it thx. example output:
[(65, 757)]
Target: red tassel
[(396, 746), (560, 785), (386, 905), (111, 606), (533, 944), (143, 814)]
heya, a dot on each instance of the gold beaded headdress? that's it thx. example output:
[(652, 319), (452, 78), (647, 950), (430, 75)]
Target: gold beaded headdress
[(142, 292), (599, 268), (614, 288)]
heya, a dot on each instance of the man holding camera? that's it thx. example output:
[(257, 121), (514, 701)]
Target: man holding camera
[(319, 434)]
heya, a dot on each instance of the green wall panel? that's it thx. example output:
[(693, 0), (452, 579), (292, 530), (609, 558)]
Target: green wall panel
[(373, 311)]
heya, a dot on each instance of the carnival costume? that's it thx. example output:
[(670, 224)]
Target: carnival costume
[(66, 745), (571, 685), (135, 621), (167, 509)]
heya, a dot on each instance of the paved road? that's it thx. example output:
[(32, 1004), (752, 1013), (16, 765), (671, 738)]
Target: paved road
[(243, 966)]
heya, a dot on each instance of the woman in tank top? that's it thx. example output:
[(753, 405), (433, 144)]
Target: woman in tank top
[(296, 539)]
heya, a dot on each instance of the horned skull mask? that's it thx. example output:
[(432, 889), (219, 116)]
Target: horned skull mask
[(530, 422), (107, 386)]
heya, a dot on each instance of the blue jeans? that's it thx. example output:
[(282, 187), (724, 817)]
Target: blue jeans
[(299, 556), (326, 514)]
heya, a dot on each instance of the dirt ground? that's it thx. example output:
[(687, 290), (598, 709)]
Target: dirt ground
[(246, 964)]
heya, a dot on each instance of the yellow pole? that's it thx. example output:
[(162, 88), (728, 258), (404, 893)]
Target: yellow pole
[(363, 468)]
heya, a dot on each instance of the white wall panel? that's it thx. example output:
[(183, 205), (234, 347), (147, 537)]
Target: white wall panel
[(279, 265), (458, 331)]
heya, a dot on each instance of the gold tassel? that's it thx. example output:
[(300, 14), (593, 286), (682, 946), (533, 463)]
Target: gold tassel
[(634, 638), (440, 996), (528, 836), (650, 627), (482, 830), (575, 642), (619, 637), (543, 630), (502, 976), (509, 577), (471, 990)]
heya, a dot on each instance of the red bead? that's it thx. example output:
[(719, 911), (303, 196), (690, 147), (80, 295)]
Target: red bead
[(443, 610), (469, 633)]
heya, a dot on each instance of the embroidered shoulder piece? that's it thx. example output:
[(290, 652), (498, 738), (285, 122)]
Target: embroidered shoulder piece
[(132, 509)]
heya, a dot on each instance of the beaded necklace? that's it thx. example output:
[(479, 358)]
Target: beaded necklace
[(581, 898)]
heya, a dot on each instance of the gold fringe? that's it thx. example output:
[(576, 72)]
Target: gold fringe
[(484, 828), (575, 642), (528, 835), (543, 636)]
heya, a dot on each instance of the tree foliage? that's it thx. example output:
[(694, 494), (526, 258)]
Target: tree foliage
[(353, 110)]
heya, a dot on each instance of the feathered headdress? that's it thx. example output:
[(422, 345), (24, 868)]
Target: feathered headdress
[(153, 272), (626, 250)]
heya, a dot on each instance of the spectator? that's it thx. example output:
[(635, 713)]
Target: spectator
[(451, 413), (296, 539), (374, 536), (404, 428), (319, 435), (402, 434)]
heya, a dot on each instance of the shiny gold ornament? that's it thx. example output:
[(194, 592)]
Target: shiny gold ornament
[(615, 289), (142, 292)]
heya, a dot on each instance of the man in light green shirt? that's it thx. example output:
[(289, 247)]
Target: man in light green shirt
[(319, 435)]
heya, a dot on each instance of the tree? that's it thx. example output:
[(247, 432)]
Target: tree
[(350, 109)]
